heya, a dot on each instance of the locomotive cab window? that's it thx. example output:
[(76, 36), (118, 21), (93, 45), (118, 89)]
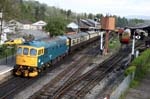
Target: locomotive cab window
[(25, 51), (40, 52), (19, 51), (33, 52)]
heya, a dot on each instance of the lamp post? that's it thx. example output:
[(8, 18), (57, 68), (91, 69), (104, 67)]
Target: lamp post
[(133, 45)]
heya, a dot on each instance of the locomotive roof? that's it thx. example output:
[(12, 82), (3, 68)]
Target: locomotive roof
[(46, 44)]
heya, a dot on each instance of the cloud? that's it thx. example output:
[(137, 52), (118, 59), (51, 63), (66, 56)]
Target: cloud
[(119, 7)]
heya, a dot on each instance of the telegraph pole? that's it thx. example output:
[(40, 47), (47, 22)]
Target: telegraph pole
[(1, 17)]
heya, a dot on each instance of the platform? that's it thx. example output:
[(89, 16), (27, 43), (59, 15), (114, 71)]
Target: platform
[(6, 67)]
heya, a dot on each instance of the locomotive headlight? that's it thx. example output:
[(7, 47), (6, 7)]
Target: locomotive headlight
[(138, 37), (39, 60)]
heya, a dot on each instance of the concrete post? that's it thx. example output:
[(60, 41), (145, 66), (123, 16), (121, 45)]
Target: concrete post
[(133, 46), (101, 43)]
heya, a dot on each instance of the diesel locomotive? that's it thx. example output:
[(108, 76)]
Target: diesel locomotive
[(125, 37), (32, 57)]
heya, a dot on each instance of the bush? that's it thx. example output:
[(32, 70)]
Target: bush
[(6, 51), (142, 64), (130, 70), (56, 26), (134, 84)]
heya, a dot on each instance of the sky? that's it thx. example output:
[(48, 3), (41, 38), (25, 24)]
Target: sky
[(111, 7)]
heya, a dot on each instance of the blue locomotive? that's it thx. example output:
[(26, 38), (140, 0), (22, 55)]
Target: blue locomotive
[(32, 57)]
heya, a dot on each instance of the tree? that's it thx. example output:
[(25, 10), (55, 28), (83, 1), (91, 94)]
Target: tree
[(37, 12), (56, 26), (99, 16), (69, 12), (90, 16)]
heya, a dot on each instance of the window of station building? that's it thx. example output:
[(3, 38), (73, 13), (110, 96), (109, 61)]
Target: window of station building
[(25, 51), (33, 52), (19, 51)]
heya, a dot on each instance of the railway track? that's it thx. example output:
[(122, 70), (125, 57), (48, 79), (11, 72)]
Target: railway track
[(16, 84), (52, 92), (79, 87), (71, 72)]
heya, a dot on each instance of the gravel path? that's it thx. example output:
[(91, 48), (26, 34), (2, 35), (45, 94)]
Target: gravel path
[(142, 91)]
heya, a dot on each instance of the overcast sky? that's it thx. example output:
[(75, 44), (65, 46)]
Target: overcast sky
[(114, 7)]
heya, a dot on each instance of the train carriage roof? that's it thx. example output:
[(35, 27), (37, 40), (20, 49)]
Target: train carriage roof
[(92, 32), (72, 36)]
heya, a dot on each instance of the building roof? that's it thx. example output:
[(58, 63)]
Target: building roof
[(40, 23), (84, 24), (73, 25), (88, 23), (25, 22)]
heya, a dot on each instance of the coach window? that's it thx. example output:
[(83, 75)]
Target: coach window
[(73, 41), (19, 51), (25, 51), (33, 52)]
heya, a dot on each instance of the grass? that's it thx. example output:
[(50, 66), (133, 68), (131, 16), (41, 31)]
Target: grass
[(142, 64), (114, 43), (134, 83)]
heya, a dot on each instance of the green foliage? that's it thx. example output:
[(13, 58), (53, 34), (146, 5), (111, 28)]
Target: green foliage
[(99, 16), (56, 26), (130, 70), (10, 9), (134, 83), (33, 11), (114, 42), (6, 51), (121, 22), (142, 64), (91, 16), (69, 12), (134, 22)]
